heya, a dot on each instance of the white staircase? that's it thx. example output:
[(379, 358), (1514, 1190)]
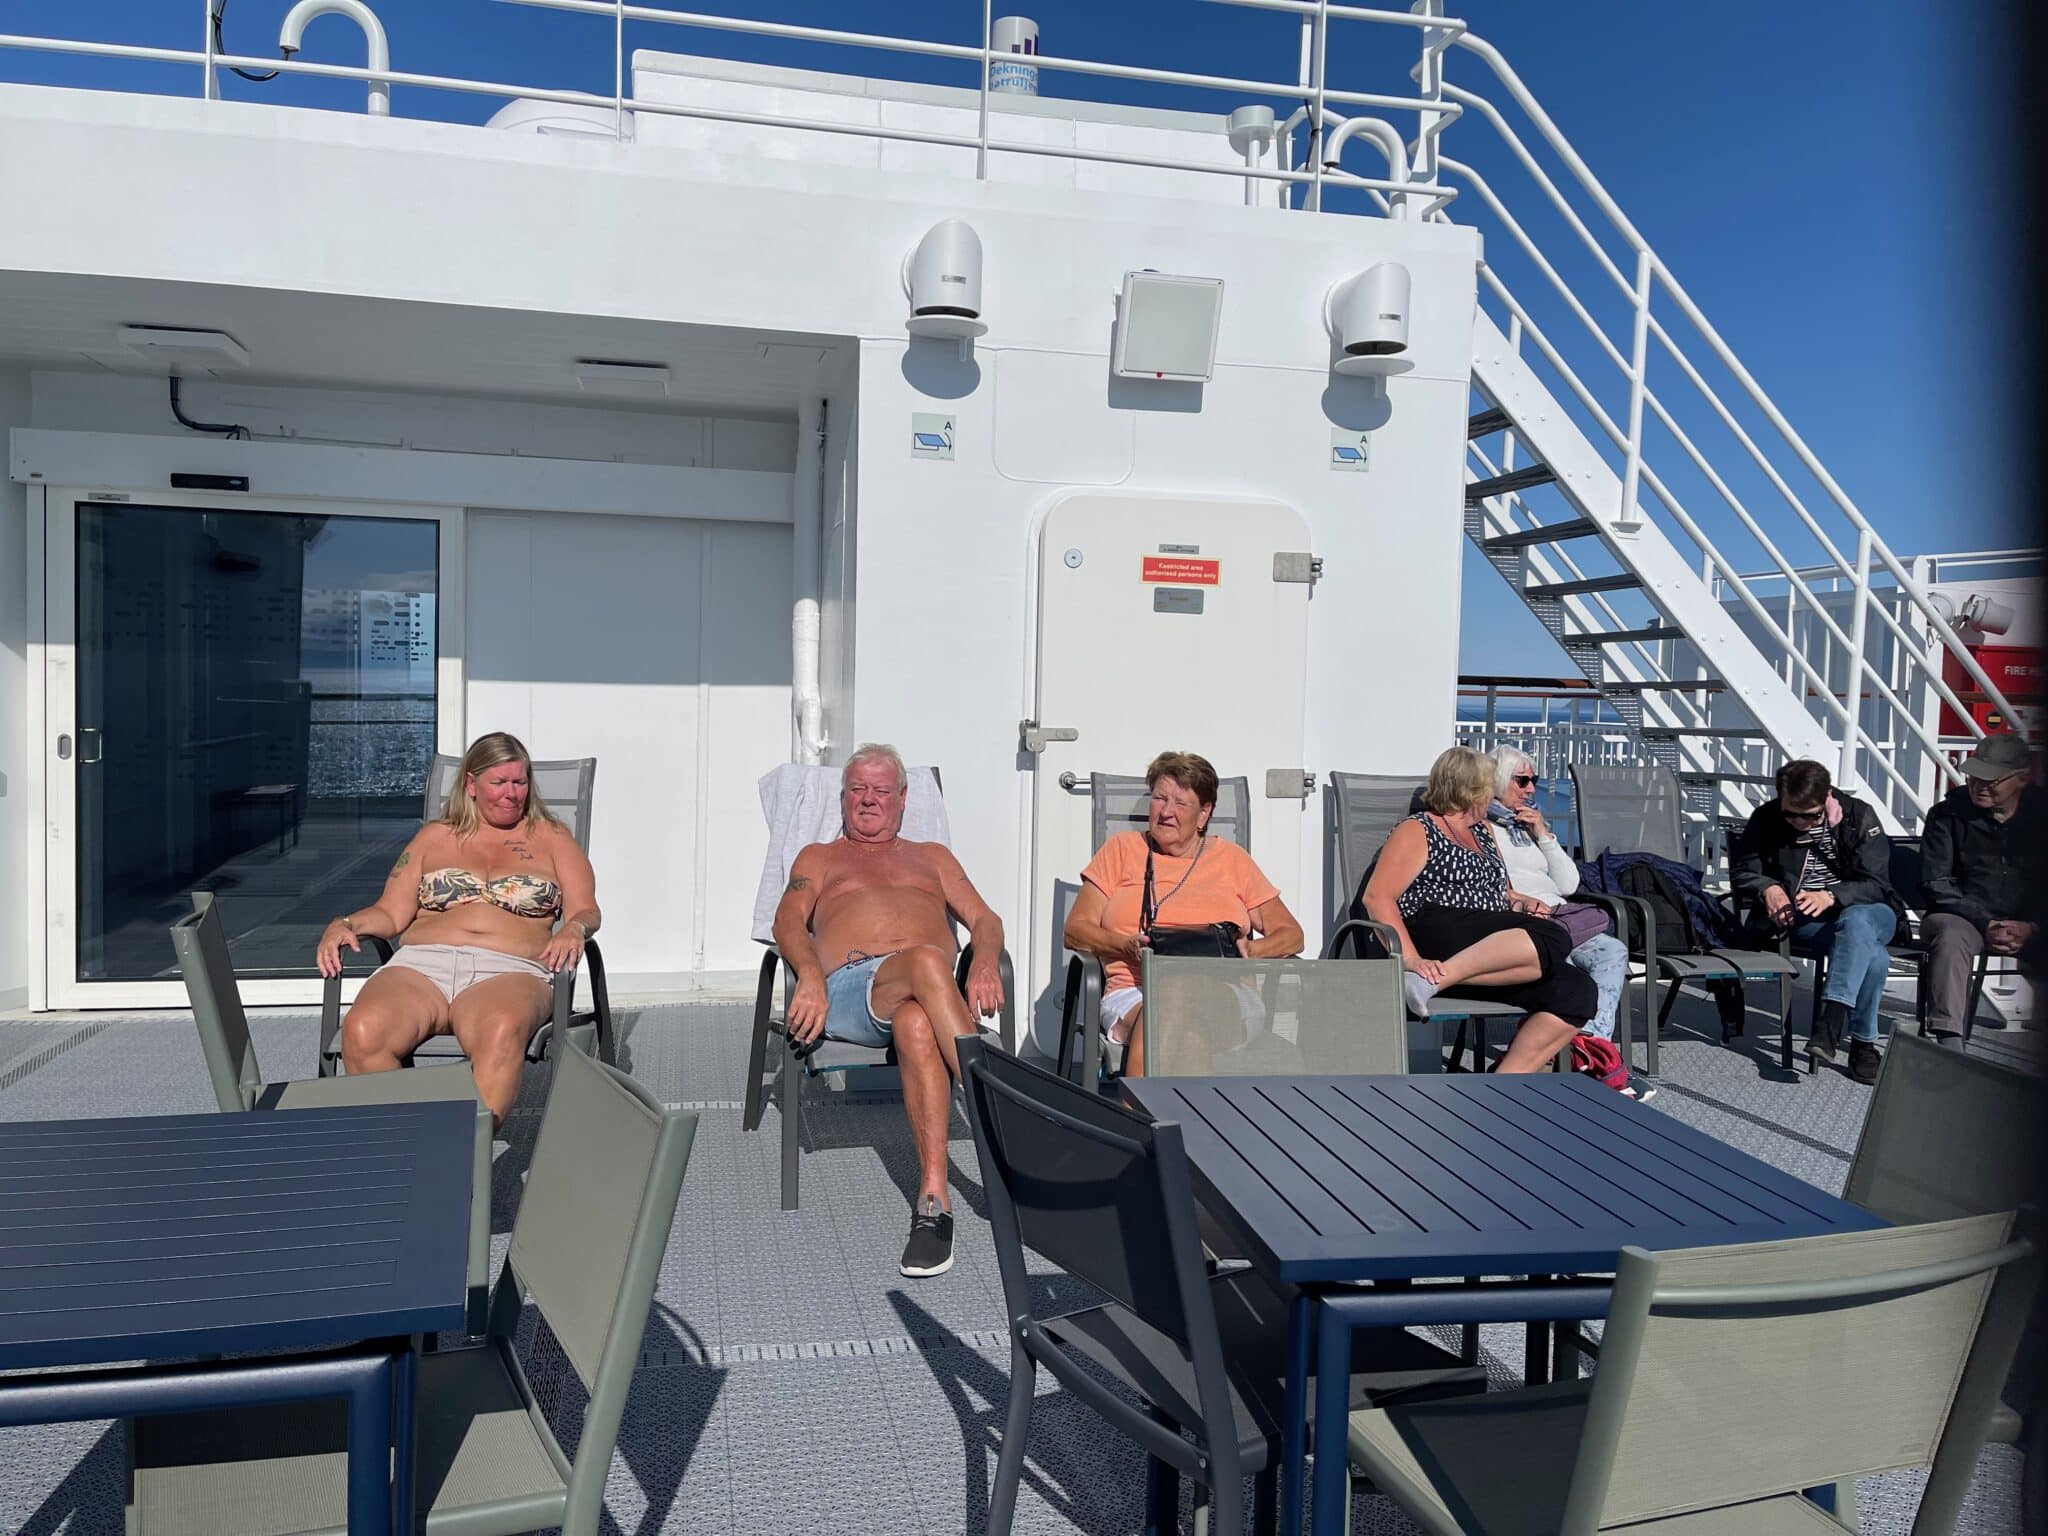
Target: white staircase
[(1662, 606)]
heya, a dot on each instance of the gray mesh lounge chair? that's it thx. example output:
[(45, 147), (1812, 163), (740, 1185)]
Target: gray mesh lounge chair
[(1106, 1194), (1120, 802), (1949, 1135), (587, 1247), (238, 1085), (1639, 809), (566, 786), (786, 1074), (1368, 808), (1293, 1017), (1730, 1379)]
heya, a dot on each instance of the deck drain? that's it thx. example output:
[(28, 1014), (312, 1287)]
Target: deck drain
[(835, 1349), (49, 1053)]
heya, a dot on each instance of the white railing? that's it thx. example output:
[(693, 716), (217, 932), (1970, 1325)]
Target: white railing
[(1417, 189)]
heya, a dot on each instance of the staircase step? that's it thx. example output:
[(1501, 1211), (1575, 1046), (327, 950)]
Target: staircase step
[(1718, 732), (1525, 479), (1663, 685), (1624, 636), (1689, 778), (1620, 582), (1488, 421), (1554, 533)]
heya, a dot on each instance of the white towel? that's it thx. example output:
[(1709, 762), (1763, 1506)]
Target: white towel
[(801, 804)]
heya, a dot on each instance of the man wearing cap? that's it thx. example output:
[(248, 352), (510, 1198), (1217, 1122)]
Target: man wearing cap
[(1982, 869)]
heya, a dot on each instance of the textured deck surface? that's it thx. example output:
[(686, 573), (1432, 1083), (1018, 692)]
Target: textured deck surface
[(790, 1379)]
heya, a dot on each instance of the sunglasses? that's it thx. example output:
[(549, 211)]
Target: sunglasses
[(1522, 780), (1804, 817)]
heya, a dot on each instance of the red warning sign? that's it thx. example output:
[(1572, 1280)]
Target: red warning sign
[(1182, 572)]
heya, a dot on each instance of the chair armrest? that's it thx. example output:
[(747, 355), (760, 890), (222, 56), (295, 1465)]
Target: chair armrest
[(1616, 907), (764, 990), (330, 1009), (1080, 1009), (601, 1004), (1355, 929), (1006, 975)]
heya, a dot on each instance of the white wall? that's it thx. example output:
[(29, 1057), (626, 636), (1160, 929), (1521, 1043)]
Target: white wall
[(661, 648), (18, 819)]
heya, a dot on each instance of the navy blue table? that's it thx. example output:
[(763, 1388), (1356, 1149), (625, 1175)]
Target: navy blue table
[(1329, 1182), (165, 1237)]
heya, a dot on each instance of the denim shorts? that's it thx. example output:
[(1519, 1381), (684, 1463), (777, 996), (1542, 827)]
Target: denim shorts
[(848, 1014)]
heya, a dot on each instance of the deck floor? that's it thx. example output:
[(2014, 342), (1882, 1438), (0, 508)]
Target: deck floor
[(790, 1378)]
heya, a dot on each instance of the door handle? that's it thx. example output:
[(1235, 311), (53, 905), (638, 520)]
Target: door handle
[(98, 745)]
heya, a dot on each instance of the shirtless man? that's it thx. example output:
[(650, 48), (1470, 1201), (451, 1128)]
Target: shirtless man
[(864, 923)]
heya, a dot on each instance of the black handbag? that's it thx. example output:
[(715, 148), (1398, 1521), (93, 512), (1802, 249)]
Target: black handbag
[(1196, 941)]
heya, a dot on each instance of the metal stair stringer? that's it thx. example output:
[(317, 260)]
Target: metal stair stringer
[(1667, 579)]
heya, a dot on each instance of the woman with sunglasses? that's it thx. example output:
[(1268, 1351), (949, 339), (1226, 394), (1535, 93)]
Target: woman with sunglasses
[(1542, 872), (1815, 862)]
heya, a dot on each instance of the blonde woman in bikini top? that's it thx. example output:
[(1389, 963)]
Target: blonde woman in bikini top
[(490, 902)]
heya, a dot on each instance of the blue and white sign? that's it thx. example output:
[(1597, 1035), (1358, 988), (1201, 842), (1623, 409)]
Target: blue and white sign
[(931, 436), (1350, 451)]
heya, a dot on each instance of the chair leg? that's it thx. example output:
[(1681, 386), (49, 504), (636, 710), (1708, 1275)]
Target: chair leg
[(1002, 1498), (1458, 1045), (1983, 969), (792, 1092), (1162, 1498), (1266, 1496), (1468, 1344), (757, 1066)]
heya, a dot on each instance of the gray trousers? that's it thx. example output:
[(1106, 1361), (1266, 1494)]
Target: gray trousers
[(1953, 945)]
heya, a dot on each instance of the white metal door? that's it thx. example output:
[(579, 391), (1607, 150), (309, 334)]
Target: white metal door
[(103, 842), (1164, 622)]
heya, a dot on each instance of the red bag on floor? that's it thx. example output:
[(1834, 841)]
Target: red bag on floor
[(1599, 1058)]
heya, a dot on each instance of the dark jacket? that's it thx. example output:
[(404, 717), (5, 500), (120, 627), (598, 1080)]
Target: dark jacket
[(1709, 919), (1769, 853), (1978, 867)]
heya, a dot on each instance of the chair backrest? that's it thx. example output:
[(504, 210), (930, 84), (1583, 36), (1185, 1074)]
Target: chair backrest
[(587, 1244), (1369, 806), (1947, 1135), (1908, 873), (1120, 802), (202, 948), (1273, 1018), (1631, 808), (1735, 1373), (563, 784)]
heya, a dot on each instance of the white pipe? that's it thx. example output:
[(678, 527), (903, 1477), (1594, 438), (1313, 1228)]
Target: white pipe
[(293, 34), (807, 700), (1382, 133)]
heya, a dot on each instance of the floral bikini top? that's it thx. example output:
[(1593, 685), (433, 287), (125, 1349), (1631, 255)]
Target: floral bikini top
[(521, 895)]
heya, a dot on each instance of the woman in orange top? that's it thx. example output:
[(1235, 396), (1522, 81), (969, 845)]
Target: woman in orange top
[(1194, 882)]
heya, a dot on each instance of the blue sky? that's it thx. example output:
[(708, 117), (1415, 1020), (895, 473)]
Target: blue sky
[(1805, 170)]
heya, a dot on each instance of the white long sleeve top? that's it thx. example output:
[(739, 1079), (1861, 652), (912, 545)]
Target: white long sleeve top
[(1539, 869)]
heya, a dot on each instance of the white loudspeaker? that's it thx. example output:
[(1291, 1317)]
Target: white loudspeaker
[(1368, 314), (943, 279)]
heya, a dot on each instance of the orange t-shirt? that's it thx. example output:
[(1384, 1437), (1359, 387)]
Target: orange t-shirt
[(1217, 884)]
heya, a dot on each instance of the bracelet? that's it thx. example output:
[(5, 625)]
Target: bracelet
[(347, 922)]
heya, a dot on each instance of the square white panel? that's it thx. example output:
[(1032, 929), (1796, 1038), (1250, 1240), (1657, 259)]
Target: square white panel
[(1166, 327)]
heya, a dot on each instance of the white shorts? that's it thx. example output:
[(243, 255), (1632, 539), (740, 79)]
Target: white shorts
[(1120, 1006), (454, 968)]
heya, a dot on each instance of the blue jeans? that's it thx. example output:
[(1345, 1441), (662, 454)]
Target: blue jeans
[(1853, 939)]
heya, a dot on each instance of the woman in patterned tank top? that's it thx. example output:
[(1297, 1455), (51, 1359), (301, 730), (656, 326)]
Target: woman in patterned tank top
[(1439, 883)]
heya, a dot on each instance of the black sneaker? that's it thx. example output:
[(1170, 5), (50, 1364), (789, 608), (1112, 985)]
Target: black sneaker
[(1864, 1061), (930, 1249)]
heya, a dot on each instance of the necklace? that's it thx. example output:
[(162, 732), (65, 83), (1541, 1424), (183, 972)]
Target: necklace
[(1150, 911)]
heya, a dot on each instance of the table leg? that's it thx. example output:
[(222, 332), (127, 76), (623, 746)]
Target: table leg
[(1333, 1428), (1294, 1424), (1536, 1350), (404, 1437), (369, 1451)]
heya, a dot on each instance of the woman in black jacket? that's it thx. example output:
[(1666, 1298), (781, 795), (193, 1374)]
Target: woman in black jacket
[(1817, 863)]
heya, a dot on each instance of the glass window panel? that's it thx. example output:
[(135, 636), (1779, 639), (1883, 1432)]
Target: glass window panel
[(256, 711)]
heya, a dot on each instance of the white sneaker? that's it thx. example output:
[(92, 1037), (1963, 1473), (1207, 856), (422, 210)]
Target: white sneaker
[(1418, 992)]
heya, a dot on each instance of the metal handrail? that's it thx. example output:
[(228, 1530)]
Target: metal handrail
[(1590, 184)]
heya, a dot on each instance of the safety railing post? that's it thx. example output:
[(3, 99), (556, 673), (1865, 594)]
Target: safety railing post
[(1628, 519), (619, 70), (1316, 121), (209, 81), (988, 37), (1852, 691)]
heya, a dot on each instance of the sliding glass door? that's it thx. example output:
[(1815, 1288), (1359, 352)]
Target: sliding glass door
[(255, 696)]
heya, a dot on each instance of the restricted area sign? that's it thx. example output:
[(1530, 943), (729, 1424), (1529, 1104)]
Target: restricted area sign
[(1182, 571)]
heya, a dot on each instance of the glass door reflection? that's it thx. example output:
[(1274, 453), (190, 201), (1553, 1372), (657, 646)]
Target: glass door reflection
[(255, 713)]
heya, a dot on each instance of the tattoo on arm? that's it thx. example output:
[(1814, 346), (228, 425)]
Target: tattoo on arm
[(799, 882), (404, 859)]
